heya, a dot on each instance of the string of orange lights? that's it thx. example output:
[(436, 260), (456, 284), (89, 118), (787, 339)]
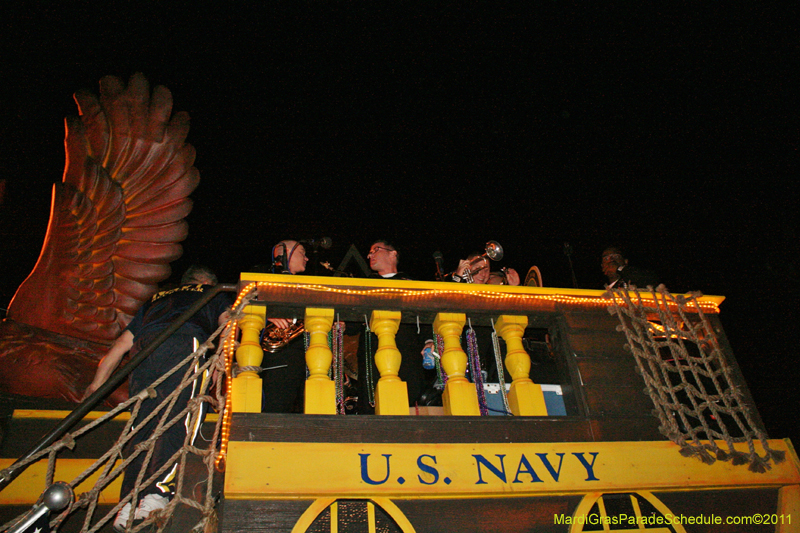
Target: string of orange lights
[(708, 306), (229, 349)]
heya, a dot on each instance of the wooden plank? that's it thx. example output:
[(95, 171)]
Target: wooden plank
[(609, 370), (23, 433), (517, 515), (618, 400), (249, 515), (596, 343), (594, 320), (626, 429), (404, 429), (482, 514), (509, 515), (28, 487), (736, 370), (743, 503)]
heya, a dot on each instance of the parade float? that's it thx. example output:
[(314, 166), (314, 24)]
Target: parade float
[(623, 409)]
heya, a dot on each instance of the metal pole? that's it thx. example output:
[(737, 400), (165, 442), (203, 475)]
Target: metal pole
[(57, 497)]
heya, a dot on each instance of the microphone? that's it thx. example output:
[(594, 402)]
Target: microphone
[(325, 243), (439, 258), (280, 261)]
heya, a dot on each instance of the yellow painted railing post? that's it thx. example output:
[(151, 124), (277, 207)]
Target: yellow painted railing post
[(391, 393), (460, 396), (246, 388), (320, 390), (526, 397)]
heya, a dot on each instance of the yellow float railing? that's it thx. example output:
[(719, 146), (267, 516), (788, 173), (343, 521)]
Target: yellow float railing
[(445, 305)]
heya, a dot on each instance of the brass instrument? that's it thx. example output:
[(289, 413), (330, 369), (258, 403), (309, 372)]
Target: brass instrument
[(499, 278), (493, 251), (274, 338)]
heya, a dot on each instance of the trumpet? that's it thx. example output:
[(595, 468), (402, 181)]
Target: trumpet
[(493, 251), (499, 278), (274, 338)]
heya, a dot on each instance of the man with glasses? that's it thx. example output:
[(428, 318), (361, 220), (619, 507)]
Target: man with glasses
[(383, 259), (620, 274)]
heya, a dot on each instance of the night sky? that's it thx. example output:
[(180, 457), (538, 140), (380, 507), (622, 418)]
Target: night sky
[(671, 132)]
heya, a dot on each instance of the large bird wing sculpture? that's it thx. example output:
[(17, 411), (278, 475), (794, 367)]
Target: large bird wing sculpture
[(116, 223)]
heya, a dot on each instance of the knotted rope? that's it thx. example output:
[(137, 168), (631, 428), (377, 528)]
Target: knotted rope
[(688, 377)]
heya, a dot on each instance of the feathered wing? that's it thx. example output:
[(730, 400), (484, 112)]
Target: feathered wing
[(117, 218)]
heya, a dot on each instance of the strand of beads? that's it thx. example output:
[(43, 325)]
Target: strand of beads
[(338, 358), (441, 375), (370, 361), (475, 369), (500, 372), (306, 341)]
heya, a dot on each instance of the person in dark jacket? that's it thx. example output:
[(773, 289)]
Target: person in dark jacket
[(620, 274), (152, 318)]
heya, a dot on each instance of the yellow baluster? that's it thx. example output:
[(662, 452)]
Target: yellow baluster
[(246, 388), (460, 396), (391, 393), (526, 397), (320, 390)]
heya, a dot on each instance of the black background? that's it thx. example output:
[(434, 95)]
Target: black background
[(671, 132)]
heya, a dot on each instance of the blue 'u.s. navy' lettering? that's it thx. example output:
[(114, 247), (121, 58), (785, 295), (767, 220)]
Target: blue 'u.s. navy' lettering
[(486, 468), (589, 467), (365, 470), (499, 472), (526, 470), (546, 463), (428, 469)]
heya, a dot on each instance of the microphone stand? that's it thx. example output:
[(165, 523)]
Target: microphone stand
[(568, 253), (439, 259), (315, 261), (328, 266), (315, 244)]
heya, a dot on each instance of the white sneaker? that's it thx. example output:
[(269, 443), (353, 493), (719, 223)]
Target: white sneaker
[(122, 518), (150, 503)]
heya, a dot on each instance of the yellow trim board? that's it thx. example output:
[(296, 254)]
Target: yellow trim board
[(261, 470), (30, 484), (356, 283)]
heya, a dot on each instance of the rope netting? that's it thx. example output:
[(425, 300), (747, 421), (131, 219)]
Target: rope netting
[(697, 398), (112, 464)]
